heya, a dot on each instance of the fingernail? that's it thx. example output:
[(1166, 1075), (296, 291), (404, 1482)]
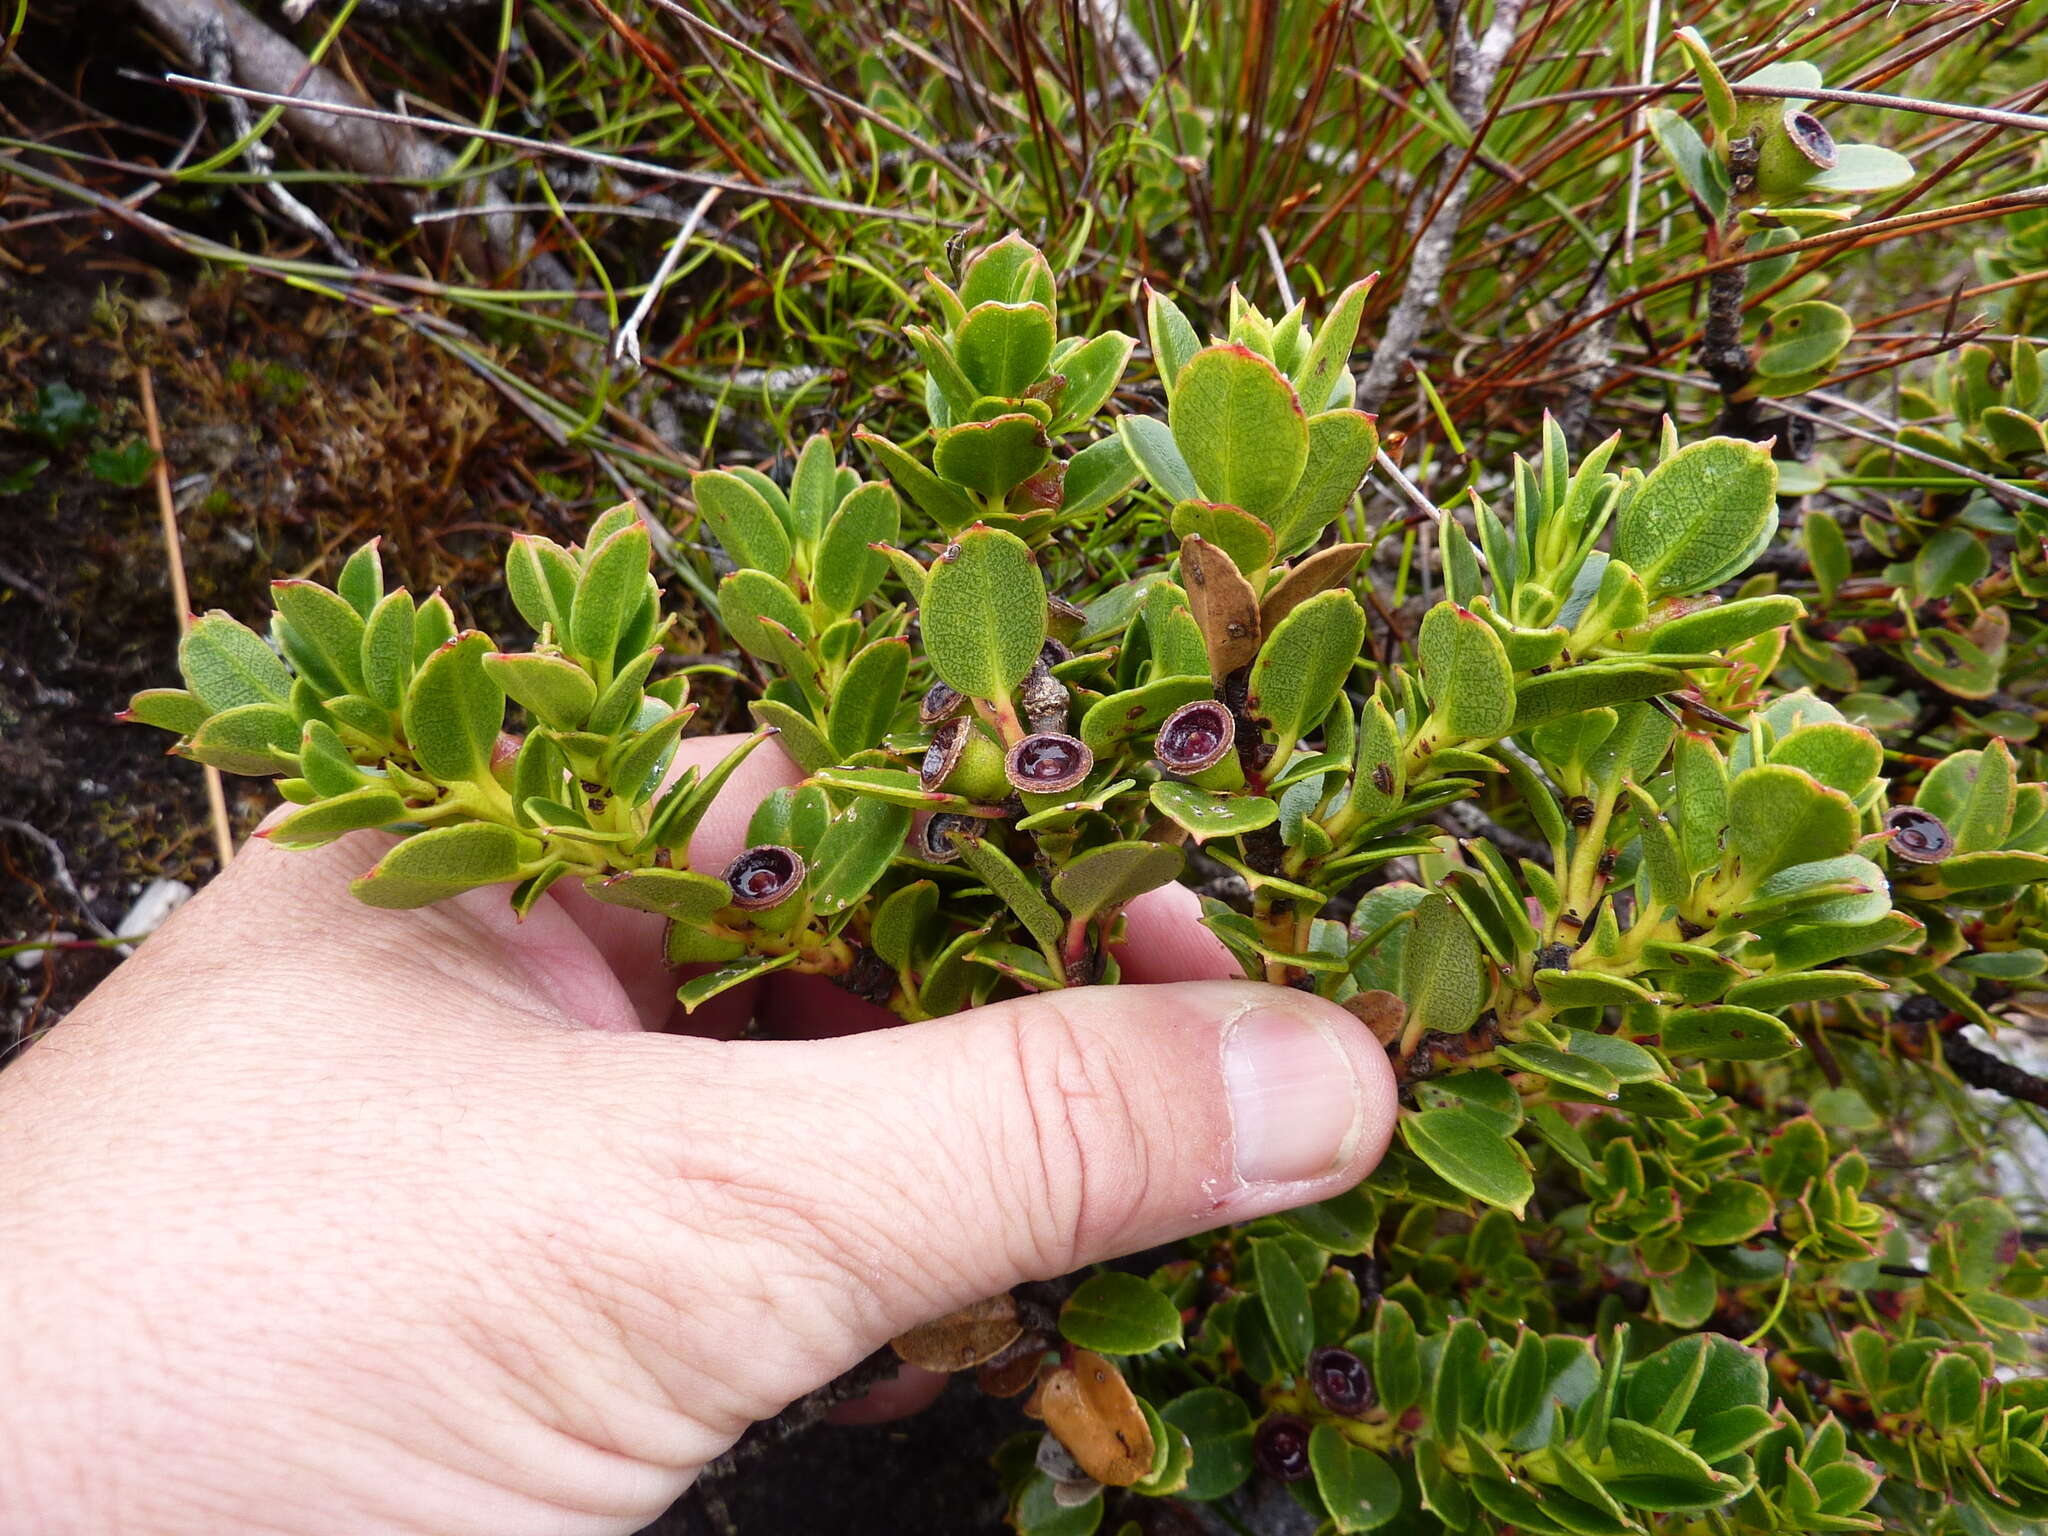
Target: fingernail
[(1296, 1105)]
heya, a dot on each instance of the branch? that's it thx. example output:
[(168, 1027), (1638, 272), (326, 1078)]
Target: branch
[(1473, 70), (1978, 1068)]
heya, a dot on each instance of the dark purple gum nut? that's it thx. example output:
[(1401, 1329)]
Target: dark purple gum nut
[(939, 839), (1341, 1382), (1195, 736), (943, 755), (764, 877), (1281, 1447), (940, 702), (1048, 763), (1919, 837), (1811, 138)]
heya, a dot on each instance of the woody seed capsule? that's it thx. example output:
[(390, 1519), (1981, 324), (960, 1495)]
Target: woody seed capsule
[(764, 877), (1048, 763), (1919, 837)]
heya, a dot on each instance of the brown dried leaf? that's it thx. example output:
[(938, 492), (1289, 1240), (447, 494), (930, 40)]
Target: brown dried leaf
[(1381, 1012), (963, 1338), (1223, 604), (1299, 582), (1090, 1407), (1001, 1377)]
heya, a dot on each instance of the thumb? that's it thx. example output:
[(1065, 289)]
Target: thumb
[(1030, 1138)]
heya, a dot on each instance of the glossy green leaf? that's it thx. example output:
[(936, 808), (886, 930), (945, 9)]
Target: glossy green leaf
[(1115, 1313), (1359, 1490), (855, 852), (680, 894), (1219, 1428), (948, 506), (749, 601), (1723, 625), (868, 696), (1726, 1033), (1443, 979), (613, 583), (1284, 1299), (1576, 690), (1468, 1150), (1204, 814)]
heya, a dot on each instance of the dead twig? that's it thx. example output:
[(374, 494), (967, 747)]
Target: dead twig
[(181, 598)]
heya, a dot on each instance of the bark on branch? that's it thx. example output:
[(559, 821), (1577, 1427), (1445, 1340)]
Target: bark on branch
[(1474, 67)]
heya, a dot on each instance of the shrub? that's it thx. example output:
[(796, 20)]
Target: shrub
[(1705, 949)]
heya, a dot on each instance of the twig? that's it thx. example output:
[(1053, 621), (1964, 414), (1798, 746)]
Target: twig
[(648, 168), (59, 872), (1635, 153), (181, 598), (626, 345), (1473, 69), (1978, 1068)]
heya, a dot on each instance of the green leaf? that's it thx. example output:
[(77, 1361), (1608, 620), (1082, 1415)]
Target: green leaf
[(1284, 1298), (1699, 517), (1174, 340), (1219, 1428), (848, 569), (168, 709), (1443, 980), (1092, 371), (802, 740), (813, 491), (1151, 445), (1861, 168), (1699, 169), (1805, 337), (434, 865), (1576, 690), (1204, 815), (1469, 1150), (454, 711), (1771, 993), (984, 613), (1358, 1488), (1096, 476), (1302, 664), (227, 664), (1247, 540), (742, 521), (1727, 1211), (553, 690), (1724, 625), (361, 582), (750, 601), (855, 852), (992, 458), (1780, 816), (388, 649), (948, 506), (1720, 101), (1972, 792), (1317, 380), (1726, 1033), (1466, 672), (1341, 446), (433, 627), (1239, 429), (1003, 348), (699, 990), (1115, 1313), (612, 585), (1953, 558), (680, 894), (1110, 875), (868, 696), (371, 805), (1844, 757), (1015, 889), (1561, 1066), (542, 580)]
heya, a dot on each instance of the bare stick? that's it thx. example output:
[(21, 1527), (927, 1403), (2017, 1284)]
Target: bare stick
[(181, 599), (626, 345)]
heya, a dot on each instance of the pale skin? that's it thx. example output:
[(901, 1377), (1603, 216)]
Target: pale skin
[(318, 1219)]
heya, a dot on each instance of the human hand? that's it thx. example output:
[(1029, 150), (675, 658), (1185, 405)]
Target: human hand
[(321, 1218)]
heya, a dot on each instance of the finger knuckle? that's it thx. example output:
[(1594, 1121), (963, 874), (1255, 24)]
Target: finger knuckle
[(1092, 1163)]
